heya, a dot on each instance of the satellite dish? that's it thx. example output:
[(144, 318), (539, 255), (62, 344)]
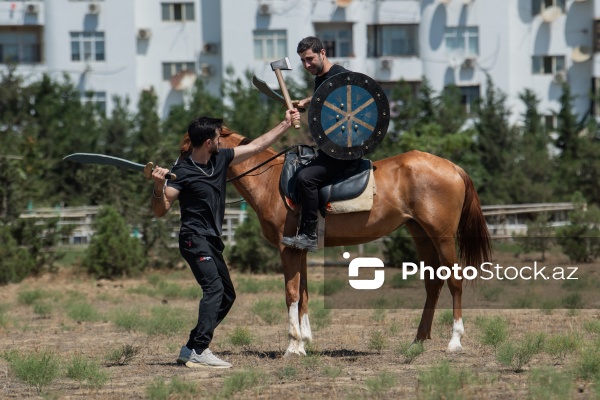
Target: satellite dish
[(183, 80), (581, 53)]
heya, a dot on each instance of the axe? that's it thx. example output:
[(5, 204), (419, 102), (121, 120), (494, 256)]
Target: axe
[(102, 159), (266, 90), (277, 66)]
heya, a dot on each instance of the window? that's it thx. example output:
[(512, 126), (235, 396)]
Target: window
[(97, 99), (87, 46), (270, 45), (392, 40), (178, 11), (336, 38), (469, 97), (20, 45), (550, 122), (462, 40), (547, 64), (171, 69), (538, 6)]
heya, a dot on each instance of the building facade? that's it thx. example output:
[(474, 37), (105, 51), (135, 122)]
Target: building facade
[(122, 47)]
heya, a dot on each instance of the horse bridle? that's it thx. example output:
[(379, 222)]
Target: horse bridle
[(264, 162)]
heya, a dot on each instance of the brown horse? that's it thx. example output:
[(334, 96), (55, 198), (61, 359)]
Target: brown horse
[(435, 198)]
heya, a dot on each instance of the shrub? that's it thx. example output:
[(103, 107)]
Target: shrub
[(240, 381), (86, 372), (493, 330), (35, 369), (381, 383), (518, 354), (268, 310), (579, 240), (113, 252), (399, 248), (410, 351), (241, 337), (560, 346), (546, 383), (17, 263), (443, 382), (377, 341), (176, 389)]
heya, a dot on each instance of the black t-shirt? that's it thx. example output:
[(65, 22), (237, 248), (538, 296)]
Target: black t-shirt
[(334, 70), (202, 197)]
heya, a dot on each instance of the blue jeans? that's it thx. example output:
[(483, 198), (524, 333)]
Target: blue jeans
[(205, 258)]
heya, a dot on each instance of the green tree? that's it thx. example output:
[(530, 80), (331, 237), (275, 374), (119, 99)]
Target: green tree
[(580, 240), (251, 252), (540, 235), (399, 248), (112, 252), (533, 158), (496, 147), (16, 261), (40, 237)]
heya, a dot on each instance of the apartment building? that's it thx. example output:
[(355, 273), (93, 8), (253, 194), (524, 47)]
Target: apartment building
[(122, 47)]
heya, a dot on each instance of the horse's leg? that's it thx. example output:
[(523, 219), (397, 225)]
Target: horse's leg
[(305, 331), (428, 254), (448, 258), (292, 267)]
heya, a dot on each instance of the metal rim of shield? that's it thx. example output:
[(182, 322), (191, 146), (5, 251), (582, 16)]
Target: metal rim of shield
[(349, 115)]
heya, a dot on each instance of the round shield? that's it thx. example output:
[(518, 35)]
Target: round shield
[(348, 115)]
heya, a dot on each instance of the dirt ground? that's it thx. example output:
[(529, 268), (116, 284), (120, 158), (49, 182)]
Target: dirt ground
[(342, 363)]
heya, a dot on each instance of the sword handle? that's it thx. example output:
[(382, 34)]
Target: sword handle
[(286, 95), (150, 167)]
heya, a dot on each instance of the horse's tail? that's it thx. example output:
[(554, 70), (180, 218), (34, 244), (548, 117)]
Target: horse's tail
[(473, 237)]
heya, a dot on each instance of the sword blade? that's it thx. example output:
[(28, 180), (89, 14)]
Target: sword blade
[(103, 159)]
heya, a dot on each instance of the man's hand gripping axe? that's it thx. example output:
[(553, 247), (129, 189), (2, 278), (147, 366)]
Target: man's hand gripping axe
[(277, 66)]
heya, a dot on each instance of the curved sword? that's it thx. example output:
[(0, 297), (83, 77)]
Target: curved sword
[(102, 159)]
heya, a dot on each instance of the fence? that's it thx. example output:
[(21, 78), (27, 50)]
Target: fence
[(503, 220), (82, 219)]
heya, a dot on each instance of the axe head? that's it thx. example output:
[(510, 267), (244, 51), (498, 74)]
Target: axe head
[(283, 64)]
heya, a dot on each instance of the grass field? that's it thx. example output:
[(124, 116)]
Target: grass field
[(66, 336)]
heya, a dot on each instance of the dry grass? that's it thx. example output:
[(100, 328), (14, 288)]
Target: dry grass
[(344, 360)]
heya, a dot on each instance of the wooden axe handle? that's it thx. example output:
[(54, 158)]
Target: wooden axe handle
[(286, 95)]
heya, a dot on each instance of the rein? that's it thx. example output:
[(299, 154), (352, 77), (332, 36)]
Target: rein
[(263, 163)]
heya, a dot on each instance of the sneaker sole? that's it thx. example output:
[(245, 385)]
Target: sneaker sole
[(182, 361), (190, 364)]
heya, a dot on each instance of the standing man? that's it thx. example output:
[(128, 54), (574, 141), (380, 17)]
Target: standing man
[(323, 168), (200, 189)]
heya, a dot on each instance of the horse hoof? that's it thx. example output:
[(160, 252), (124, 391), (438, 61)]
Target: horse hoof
[(291, 354), (454, 347)]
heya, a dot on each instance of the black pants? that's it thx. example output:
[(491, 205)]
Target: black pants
[(204, 255), (317, 173)]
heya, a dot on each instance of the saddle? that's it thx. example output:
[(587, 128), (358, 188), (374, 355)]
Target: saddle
[(351, 191)]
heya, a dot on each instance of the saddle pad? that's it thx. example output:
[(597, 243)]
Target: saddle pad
[(364, 202)]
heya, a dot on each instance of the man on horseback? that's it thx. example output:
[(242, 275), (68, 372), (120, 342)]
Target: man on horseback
[(322, 168), (200, 189)]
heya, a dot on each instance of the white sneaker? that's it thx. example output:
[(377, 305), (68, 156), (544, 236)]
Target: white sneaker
[(184, 355), (206, 359)]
